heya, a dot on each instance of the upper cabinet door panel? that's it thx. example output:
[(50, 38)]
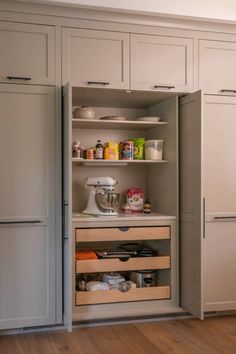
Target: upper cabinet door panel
[(27, 52), (161, 63), (217, 67), (95, 58)]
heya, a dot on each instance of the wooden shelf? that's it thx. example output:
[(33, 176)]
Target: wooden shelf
[(114, 125), (111, 296), (105, 163), (115, 264), (123, 234)]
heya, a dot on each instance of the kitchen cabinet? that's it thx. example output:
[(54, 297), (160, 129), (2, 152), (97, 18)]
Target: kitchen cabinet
[(161, 63), (156, 177), (27, 53), (217, 73), (207, 202), (95, 58), (27, 206)]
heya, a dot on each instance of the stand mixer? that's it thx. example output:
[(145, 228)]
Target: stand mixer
[(102, 200)]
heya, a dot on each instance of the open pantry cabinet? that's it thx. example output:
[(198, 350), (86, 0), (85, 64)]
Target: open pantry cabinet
[(159, 179)]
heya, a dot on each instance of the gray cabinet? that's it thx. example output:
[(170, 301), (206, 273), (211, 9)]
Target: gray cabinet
[(217, 74), (95, 58), (208, 202), (161, 63), (27, 53), (27, 206)]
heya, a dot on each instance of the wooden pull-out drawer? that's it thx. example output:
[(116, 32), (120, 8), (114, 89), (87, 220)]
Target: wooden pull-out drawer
[(110, 296), (123, 234), (110, 265)]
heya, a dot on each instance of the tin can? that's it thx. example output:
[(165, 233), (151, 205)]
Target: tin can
[(90, 154), (127, 153)]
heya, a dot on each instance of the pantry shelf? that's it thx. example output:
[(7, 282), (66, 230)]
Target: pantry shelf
[(101, 163), (114, 125)]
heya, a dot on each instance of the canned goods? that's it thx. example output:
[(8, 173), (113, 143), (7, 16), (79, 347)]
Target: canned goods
[(90, 154), (127, 153)]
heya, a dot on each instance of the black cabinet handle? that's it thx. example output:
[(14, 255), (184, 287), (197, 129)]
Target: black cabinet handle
[(20, 222), (225, 90), (124, 229), (224, 217), (98, 83), (164, 87), (18, 78)]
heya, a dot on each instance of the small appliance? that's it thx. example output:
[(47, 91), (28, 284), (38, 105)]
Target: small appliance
[(102, 200)]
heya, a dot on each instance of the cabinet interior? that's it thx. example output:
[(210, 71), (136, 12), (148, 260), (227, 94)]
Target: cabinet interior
[(159, 181)]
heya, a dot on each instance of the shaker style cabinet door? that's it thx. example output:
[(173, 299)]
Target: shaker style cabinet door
[(27, 206), (95, 58), (161, 63), (217, 73), (27, 53)]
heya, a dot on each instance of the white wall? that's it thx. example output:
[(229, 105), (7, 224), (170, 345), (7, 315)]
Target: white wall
[(224, 10)]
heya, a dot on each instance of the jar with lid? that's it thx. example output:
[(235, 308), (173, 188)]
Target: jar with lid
[(99, 150)]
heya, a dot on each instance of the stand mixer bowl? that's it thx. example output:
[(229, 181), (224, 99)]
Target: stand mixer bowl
[(107, 201)]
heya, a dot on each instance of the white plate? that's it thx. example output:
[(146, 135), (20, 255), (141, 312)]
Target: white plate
[(112, 118), (149, 119)]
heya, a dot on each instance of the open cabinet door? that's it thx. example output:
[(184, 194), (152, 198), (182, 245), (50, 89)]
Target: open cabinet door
[(192, 226), (67, 203)]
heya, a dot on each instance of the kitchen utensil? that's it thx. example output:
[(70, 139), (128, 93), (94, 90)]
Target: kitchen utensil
[(84, 112), (144, 278), (102, 200)]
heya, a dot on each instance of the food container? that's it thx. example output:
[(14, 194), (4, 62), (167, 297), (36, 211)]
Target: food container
[(113, 280), (127, 152), (84, 112), (154, 149), (144, 278), (138, 148), (111, 151), (135, 199)]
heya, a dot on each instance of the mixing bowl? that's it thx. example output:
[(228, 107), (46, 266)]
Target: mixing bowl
[(107, 200)]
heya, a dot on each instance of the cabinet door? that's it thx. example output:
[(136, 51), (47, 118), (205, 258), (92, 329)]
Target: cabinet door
[(219, 156), (27, 205), (95, 58), (220, 283), (27, 53), (191, 204), (161, 63), (217, 74)]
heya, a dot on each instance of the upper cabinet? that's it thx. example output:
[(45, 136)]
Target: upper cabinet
[(160, 63), (95, 58), (27, 53), (217, 73)]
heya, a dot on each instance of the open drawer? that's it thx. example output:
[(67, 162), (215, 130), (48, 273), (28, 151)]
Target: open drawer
[(109, 296), (115, 264), (123, 234)]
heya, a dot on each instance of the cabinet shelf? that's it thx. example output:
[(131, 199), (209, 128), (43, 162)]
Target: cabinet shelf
[(111, 296), (115, 264), (114, 125), (101, 163)]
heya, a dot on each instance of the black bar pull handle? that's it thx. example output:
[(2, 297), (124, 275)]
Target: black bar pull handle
[(226, 90), (164, 87), (18, 78), (224, 217), (20, 222), (98, 83)]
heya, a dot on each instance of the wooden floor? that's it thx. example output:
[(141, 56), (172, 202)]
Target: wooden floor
[(214, 335)]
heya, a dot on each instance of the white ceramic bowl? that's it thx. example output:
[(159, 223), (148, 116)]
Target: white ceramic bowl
[(94, 285), (84, 112)]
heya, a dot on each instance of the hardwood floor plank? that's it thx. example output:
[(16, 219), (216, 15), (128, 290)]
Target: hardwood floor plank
[(189, 336)]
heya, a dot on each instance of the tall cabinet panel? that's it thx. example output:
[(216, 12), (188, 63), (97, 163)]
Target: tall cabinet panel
[(208, 238), (27, 206)]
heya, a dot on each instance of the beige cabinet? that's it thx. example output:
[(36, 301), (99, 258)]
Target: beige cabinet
[(95, 58), (27, 206), (219, 279), (207, 202), (217, 74), (161, 63), (27, 53)]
